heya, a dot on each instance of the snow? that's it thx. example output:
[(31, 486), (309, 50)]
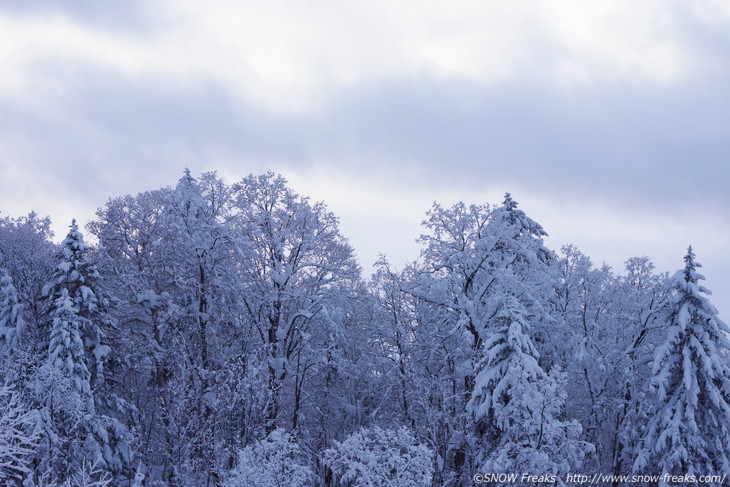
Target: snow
[(223, 334)]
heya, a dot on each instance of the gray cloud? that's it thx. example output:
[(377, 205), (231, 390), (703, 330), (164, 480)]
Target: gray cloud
[(664, 147), (626, 143), (658, 146)]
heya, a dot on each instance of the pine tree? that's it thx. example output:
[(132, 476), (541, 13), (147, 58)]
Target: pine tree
[(76, 353), (522, 266), (516, 405), (76, 277), (689, 431), (11, 314), (66, 349), (509, 346)]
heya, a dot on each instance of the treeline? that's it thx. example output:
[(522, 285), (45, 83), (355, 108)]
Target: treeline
[(224, 334)]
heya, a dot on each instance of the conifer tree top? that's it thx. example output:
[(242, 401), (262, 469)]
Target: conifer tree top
[(509, 203), (687, 280), (187, 178), (72, 266), (690, 267), (517, 217), (74, 241)]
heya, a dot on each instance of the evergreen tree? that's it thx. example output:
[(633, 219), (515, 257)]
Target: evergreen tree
[(516, 406), (75, 279), (523, 267), (11, 314), (689, 431), (475, 257), (66, 350), (509, 346), (78, 430)]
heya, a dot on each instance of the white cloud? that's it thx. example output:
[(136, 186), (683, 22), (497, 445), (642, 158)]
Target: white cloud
[(290, 56), (620, 40), (287, 55)]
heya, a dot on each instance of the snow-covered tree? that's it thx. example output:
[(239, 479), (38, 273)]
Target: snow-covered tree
[(18, 436), (689, 430), (275, 461), (199, 256), (474, 255), (608, 329), (376, 457), (169, 264), (508, 347), (517, 406), (88, 475), (423, 362), (66, 348), (77, 354), (523, 267), (478, 252), (294, 265), (136, 256), (227, 312), (27, 253), (632, 333), (12, 322), (200, 246), (72, 293), (394, 335)]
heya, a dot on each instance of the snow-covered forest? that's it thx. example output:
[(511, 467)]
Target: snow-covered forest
[(224, 334)]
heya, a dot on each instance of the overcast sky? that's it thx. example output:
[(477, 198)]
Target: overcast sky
[(608, 121)]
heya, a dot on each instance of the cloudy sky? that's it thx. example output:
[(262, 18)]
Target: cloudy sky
[(608, 121)]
